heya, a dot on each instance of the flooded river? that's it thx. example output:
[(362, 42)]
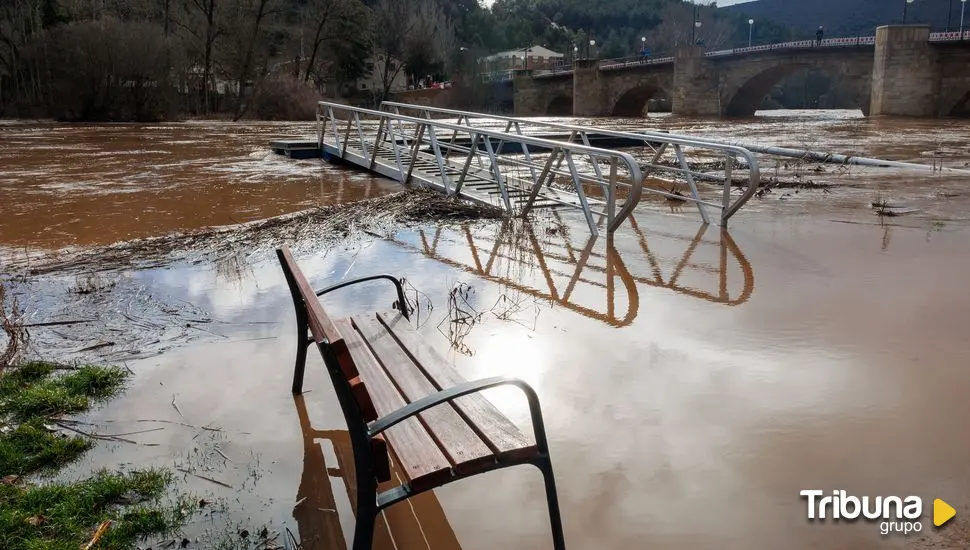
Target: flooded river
[(693, 380), (77, 185)]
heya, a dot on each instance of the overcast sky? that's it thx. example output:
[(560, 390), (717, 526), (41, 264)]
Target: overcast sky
[(719, 3)]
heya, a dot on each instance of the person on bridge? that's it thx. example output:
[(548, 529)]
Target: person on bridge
[(644, 54), (818, 36)]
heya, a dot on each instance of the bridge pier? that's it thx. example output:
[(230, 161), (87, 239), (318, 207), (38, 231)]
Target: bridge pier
[(905, 72), (529, 96), (696, 88), (588, 93)]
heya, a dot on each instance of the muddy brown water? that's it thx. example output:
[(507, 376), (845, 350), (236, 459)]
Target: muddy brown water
[(693, 381)]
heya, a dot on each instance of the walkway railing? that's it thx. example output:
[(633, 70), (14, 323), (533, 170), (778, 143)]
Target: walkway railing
[(667, 166), (461, 159)]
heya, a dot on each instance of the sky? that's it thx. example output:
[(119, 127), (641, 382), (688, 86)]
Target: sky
[(719, 3)]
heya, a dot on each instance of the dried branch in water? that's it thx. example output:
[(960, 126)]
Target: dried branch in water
[(11, 322)]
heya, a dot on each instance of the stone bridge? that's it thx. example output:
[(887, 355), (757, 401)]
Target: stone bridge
[(902, 72)]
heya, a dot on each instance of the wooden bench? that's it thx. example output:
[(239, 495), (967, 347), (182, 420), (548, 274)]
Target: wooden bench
[(398, 395)]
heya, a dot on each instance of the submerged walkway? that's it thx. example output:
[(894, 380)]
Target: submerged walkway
[(504, 167)]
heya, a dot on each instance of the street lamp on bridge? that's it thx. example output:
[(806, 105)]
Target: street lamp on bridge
[(906, 5), (697, 25), (592, 44), (963, 7), (750, 29)]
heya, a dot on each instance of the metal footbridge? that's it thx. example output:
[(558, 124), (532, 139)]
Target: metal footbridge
[(492, 160)]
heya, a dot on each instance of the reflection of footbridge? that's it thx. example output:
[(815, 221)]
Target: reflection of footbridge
[(544, 262)]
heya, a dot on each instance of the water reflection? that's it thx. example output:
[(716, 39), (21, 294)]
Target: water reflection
[(417, 523), (548, 264)]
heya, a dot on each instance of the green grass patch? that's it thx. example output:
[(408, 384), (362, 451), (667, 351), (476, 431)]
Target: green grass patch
[(62, 516), (65, 515), (31, 447), (35, 391)]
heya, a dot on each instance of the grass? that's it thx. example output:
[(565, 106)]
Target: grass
[(62, 515), (32, 391)]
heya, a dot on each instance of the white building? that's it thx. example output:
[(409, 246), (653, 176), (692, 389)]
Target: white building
[(532, 57), (373, 78)]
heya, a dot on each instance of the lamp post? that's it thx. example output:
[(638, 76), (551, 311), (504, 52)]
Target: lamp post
[(592, 44), (575, 52), (949, 14), (697, 25), (643, 45), (963, 7), (905, 6), (750, 30)]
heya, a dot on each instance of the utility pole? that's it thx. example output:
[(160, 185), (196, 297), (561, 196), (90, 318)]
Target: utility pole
[(949, 14)]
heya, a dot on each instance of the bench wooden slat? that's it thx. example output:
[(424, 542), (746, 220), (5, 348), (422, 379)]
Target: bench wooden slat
[(419, 456), (496, 430), (454, 436), (321, 325)]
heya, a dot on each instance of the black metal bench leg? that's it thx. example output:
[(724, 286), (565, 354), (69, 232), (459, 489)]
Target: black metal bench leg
[(366, 512), (552, 497), (302, 343)]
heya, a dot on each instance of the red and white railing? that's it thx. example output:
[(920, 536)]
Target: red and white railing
[(949, 36)]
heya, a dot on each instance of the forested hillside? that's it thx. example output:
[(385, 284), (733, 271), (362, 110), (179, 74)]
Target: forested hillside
[(850, 17), (157, 59)]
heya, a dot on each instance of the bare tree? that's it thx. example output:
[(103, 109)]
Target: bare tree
[(412, 33), (678, 28), (201, 23)]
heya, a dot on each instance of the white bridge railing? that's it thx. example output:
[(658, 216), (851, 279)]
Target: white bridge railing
[(671, 159), (452, 155)]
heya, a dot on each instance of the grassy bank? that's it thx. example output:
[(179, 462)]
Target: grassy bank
[(111, 509)]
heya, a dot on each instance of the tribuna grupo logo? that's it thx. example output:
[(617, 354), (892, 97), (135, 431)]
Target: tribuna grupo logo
[(895, 514)]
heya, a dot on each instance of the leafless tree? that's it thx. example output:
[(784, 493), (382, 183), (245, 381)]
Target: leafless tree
[(200, 21), (677, 27), (413, 33)]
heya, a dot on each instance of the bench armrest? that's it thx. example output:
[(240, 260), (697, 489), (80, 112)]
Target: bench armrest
[(454, 392), (401, 300)]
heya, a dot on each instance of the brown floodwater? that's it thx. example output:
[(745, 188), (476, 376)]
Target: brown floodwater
[(693, 380), (78, 185)]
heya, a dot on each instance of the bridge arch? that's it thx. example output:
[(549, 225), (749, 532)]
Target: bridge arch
[(561, 105), (633, 101), (745, 89), (961, 108)]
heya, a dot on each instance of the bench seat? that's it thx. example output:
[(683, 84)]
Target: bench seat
[(462, 437)]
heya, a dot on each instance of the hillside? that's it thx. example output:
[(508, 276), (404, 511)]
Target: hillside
[(849, 17)]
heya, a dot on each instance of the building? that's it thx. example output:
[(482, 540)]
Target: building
[(373, 78), (532, 57)]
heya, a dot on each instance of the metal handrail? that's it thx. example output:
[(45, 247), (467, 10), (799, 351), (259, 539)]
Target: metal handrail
[(391, 129), (649, 138)]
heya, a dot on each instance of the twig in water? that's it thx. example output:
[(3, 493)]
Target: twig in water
[(176, 406), (222, 454), (94, 436), (209, 479), (96, 346), (56, 323)]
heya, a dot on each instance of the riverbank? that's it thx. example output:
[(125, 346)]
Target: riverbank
[(39, 437)]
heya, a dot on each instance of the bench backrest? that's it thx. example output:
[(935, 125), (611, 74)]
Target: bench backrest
[(355, 401)]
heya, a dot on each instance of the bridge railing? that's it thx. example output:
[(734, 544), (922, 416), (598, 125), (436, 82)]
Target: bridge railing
[(668, 165), (633, 61), (846, 42), (362, 136), (949, 36)]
